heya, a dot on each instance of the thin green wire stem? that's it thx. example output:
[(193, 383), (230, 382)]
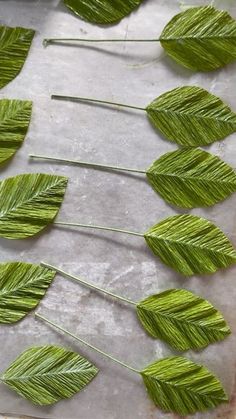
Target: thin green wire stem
[(48, 41), (84, 163), (86, 343), (96, 227), (87, 284), (104, 102)]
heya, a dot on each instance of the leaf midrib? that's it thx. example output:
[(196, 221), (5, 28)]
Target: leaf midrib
[(26, 285), (28, 377), (16, 42), (196, 178), (9, 117), (197, 38)]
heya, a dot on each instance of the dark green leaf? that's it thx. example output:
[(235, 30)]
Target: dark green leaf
[(182, 319), (28, 203), (190, 245), (178, 385), (192, 178), (22, 286), (201, 38), (14, 47), (46, 374)]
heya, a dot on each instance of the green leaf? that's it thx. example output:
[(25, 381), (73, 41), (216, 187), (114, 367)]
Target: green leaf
[(192, 178), (102, 11), (15, 117), (178, 385), (28, 203), (201, 38), (46, 374), (190, 245), (22, 286), (182, 319), (14, 47), (191, 116)]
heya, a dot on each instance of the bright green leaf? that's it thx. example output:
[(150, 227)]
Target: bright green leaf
[(14, 47), (28, 203), (179, 385), (102, 11), (192, 178), (201, 38), (182, 319), (46, 374), (22, 286), (15, 117), (191, 116), (190, 245)]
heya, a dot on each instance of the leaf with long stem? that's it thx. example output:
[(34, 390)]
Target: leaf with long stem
[(188, 115), (187, 178), (179, 317), (199, 38), (175, 384)]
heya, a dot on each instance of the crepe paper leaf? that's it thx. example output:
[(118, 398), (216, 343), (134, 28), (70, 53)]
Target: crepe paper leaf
[(47, 374), (188, 177), (14, 47), (179, 317), (102, 12), (15, 117), (179, 385), (188, 115), (182, 319), (28, 203), (175, 384), (190, 245), (22, 286), (201, 38)]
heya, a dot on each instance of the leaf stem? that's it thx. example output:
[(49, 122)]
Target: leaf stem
[(87, 284), (86, 343), (48, 41), (84, 163), (96, 227), (104, 102)]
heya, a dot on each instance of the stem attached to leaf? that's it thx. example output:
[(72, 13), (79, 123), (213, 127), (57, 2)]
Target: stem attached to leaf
[(87, 284), (103, 102), (49, 41), (86, 343), (83, 163), (117, 230)]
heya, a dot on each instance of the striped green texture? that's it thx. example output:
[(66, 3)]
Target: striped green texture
[(191, 116), (22, 286), (14, 47), (102, 12), (179, 385), (190, 245), (192, 178), (46, 374), (15, 118), (182, 319), (201, 38), (28, 203)]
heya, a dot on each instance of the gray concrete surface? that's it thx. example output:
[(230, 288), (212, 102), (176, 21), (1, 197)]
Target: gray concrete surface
[(136, 75)]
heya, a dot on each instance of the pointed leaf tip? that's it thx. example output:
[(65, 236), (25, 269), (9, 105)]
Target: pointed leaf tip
[(179, 385), (182, 319), (47, 374), (190, 245)]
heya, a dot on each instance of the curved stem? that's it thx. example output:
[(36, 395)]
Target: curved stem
[(48, 41), (104, 102), (84, 163), (96, 227), (86, 343), (87, 284)]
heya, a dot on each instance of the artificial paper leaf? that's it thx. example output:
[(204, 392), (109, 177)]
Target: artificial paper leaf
[(182, 319), (14, 47), (192, 178), (102, 11), (22, 286), (28, 203), (201, 38), (15, 117), (177, 384), (190, 245), (46, 374), (191, 116)]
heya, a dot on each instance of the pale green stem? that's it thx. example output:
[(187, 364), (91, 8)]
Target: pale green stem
[(86, 343), (48, 41), (84, 163), (87, 284), (104, 102), (96, 227)]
